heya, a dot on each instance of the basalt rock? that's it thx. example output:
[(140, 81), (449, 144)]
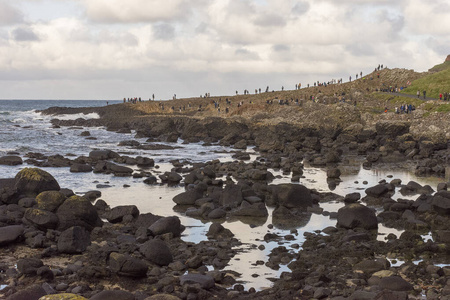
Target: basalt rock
[(77, 211), (74, 240), (11, 160), (10, 234), (157, 252), (290, 196), (32, 181), (356, 215), (50, 200), (116, 214)]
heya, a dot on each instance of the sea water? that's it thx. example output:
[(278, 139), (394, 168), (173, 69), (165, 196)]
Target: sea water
[(23, 130)]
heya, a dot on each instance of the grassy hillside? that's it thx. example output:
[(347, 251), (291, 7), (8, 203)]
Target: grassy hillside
[(434, 83)]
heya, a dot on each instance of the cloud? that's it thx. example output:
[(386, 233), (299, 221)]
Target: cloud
[(9, 15), (135, 11), (300, 8), (24, 34), (164, 31)]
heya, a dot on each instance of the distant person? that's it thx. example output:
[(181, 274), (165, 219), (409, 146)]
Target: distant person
[(440, 96), (350, 78), (424, 94), (153, 97), (418, 94), (356, 76)]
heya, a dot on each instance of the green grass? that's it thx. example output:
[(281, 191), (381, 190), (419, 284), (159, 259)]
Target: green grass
[(443, 108), (434, 84), (441, 67)]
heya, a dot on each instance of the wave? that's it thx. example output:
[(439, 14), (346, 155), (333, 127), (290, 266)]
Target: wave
[(77, 116), (5, 113)]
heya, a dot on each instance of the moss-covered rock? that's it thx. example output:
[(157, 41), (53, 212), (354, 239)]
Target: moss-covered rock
[(50, 200), (77, 211), (41, 219), (32, 181)]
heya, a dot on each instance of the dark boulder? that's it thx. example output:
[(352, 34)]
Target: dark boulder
[(188, 197), (96, 155), (74, 240), (252, 210), (167, 225), (392, 129), (333, 173), (231, 195), (41, 219), (117, 170), (10, 234), (113, 294), (11, 160), (145, 162), (378, 190), (29, 266), (157, 252), (78, 211), (32, 292), (205, 281), (395, 283), (352, 197), (32, 181), (80, 168), (356, 215), (126, 265), (290, 196), (217, 231), (441, 205), (116, 214)]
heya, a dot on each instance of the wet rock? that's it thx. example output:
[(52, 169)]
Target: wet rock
[(188, 197), (370, 266), (41, 219), (92, 195), (379, 190), (217, 231), (113, 294), (167, 225), (157, 252), (74, 240), (356, 215), (34, 291), (116, 214), (80, 168), (120, 171), (395, 283), (77, 211), (352, 197), (252, 210), (32, 181), (50, 200), (144, 162), (126, 265), (10, 234), (11, 160), (290, 196), (441, 204), (231, 195), (97, 155), (333, 173), (205, 281), (217, 213)]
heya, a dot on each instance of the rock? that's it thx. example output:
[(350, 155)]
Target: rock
[(352, 197), (242, 144), (85, 133), (370, 266), (356, 215), (217, 231), (10, 234), (74, 240), (119, 170), (126, 265), (162, 297), (77, 211), (157, 252), (144, 162), (217, 213), (116, 214), (64, 296), (41, 219), (113, 294), (188, 197), (174, 178), (291, 196), (205, 281), (395, 283), (29, 266), (334, 173), (441, 205), (231, 195), (11, 160), (32, 292), (252, 210), (443, 236), (392, 129), (80, 168), (50, 200), (32, 181), (167, 225), (377, 191), (96, 155), (92, 195)]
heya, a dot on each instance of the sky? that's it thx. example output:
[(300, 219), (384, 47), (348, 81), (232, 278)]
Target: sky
[(111, 49)]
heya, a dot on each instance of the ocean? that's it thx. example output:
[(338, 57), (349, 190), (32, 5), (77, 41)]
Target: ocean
[(24, 130)]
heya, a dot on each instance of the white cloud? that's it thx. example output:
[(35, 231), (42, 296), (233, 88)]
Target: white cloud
[(9, 15), (135, 11)]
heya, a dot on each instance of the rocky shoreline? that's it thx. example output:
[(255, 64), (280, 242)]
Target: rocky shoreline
[(58, 245)]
